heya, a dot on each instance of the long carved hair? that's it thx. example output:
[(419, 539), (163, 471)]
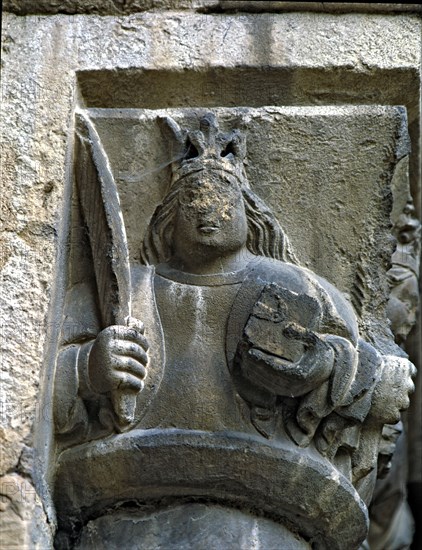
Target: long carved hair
[(265, 235)]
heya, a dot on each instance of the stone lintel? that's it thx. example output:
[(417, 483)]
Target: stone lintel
[(119, 7)]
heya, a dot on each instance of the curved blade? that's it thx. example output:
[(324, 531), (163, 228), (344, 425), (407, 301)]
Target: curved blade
[(100, 204), (101, 209)]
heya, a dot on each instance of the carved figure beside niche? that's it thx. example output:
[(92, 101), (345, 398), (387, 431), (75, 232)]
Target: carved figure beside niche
[(391, 524), (217, 380)]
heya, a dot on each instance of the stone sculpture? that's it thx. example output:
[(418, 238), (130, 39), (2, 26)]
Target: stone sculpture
[(392, 524), (217, 388), (404, 299)]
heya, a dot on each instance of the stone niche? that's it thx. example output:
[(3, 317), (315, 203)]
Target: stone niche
[(235, 458), (304, 162)]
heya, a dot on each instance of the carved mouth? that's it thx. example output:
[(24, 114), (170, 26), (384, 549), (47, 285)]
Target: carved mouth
[(208, 228)]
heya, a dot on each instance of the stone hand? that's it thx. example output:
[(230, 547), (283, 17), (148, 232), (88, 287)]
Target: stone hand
[(118, 359), (290, 377)]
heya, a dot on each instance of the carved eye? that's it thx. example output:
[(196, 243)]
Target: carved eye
[(229, 148), (192, 151), (187, 197), (409, 209)]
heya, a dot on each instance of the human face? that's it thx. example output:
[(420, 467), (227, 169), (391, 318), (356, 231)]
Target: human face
[(391, 395), (211, 220), (403, 305)]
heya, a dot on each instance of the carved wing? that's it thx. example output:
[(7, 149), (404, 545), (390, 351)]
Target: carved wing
[(102, 214)]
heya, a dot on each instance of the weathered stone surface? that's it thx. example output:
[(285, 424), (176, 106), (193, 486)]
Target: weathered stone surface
[(10, 449), (213, 268), (108, 7), (22, 519), (292, 66), (117, 7), (349, 58), (391, 519), (184, 463), (300, 178), (189, 526)]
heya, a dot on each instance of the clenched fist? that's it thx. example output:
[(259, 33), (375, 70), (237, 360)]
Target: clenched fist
[(118, 359)]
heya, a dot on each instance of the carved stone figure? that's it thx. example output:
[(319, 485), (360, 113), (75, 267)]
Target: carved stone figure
[(391, 523), (216, 388), (404, 298)]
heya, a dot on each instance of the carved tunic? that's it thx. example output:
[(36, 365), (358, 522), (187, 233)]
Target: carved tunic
[(197, 391), (199, 414), (200, 321)]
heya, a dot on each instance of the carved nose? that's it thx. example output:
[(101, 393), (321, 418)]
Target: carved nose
[(204, 203)]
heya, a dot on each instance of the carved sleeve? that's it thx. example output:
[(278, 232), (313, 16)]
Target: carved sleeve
[(71, 388), (69, 410)]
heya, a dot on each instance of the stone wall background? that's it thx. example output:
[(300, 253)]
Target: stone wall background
[(325, 59)]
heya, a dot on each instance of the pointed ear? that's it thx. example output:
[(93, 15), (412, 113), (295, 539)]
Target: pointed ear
[(174, 135)]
